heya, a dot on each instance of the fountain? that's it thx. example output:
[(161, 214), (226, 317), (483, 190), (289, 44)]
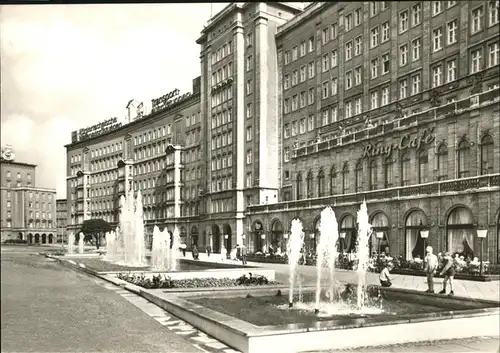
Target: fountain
[(175, 253), (294, 247), (80, 243), (71, 243), (364, 231), (326, 250), (111, 247)]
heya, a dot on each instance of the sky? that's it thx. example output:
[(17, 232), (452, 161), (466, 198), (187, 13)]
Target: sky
[(65, 67)]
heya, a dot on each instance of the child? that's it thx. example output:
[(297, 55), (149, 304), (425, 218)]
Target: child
[(448, 271), (385, 280)]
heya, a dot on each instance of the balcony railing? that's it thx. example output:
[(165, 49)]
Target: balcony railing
[(434, 188), (424, 117)]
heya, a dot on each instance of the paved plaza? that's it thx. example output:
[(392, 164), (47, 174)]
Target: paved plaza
[(40, 297)]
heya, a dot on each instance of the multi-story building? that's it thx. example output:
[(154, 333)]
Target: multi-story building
[(158, 154), (27, 211), (61, 219), (239, 89), (395, 103)]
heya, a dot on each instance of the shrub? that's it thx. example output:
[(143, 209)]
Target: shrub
[(15, 241), (162, 281)]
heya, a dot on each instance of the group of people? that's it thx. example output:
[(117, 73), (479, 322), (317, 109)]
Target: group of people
[(240, 251), (431, 266)]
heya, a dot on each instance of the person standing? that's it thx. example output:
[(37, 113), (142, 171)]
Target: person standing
[(448, 271), (243, 253), (209, 250), (430, 266), (195, 253)]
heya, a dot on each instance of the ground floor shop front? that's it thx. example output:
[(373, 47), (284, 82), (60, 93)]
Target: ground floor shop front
[(451, 219)]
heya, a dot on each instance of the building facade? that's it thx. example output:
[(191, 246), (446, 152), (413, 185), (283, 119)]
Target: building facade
[(61, 219), (158, 154), (27, 211), (395, 103)]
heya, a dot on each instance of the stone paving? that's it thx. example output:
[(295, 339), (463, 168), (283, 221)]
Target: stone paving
[(197, 338)]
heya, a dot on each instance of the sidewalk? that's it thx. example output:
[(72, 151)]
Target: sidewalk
[(469, 289)]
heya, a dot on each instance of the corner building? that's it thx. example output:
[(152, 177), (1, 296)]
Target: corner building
[(395, 103), (239, 87), (27, 210)]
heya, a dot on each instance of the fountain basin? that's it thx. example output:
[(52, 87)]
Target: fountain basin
[(188, 269), (464, 318)]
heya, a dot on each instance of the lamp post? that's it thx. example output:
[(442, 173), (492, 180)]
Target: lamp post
[(380, 236), (424, 233), (312, 236), (342, 237), (228, 251), (481, 234)]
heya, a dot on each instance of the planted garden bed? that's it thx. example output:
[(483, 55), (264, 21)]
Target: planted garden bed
[(163, 281)]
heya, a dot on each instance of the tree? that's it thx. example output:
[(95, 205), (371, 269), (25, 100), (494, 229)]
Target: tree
[(95, 229)]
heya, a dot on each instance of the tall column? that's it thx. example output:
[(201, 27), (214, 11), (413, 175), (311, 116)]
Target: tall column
[(239, 116), (261, 65)]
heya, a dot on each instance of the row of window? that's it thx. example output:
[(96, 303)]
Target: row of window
[(410, 85), (8, 175), (222, 96), (105, 163), (221, 118), (223, 205), (100, 152), (222, 52), (222, 140), (8, 184), (38, 196), (463, 170), (224, 72), (221, 162), (222, 183)]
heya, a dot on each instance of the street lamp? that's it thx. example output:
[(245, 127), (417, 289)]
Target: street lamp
[(481, 234), (380, 236), (342, 237), (424, 233)]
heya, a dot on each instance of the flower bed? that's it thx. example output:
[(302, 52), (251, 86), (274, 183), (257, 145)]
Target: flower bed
[(160, 281)]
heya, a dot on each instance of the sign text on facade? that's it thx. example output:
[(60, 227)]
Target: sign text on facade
[(406, 141)]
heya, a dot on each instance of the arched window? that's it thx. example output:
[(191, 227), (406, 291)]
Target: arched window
[(405, 169), (345, 178), (359, 176), (333, 180), (460, 232), (388, 172), (487, 155), (442, 162), (309, 181), (423, 167), (299, 186), (321, 183), (373, 175), (463, 159)]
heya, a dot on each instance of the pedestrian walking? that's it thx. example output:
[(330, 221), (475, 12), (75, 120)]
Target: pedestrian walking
[(448, 271), (243, 254), (430, 266), (209, 250)]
